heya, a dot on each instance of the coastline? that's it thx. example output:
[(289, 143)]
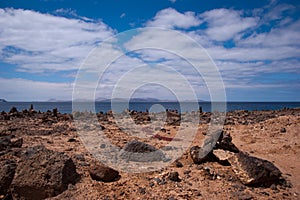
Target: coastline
[(66, 107)]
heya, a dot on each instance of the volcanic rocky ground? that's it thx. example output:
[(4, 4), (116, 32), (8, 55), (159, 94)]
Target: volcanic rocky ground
[(43, 156)]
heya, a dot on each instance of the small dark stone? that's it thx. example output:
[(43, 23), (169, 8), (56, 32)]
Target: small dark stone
[(178, 164), (163, 181), (157, 180), (102, 146), (174, 176), (187, 172), (72, 140), (102, 173), (283, 130), (151, 184), (142, 190), (163, 130)]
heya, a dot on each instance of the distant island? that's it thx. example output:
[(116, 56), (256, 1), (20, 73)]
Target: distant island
[(136, 100), (2, 100)]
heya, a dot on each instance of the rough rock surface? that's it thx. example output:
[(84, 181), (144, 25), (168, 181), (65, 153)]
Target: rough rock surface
[(4, 142), (141, 152), (102, 173), (196, 153), (254, 171), (174, 176), (223, 156), (43, 173), (225, 142), (7, 172)]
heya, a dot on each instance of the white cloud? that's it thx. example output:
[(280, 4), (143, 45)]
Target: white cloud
[(43, 42), (40, 43), (224, 24), (277, 37), (275, 51), (170, 18), (253, 53), (34, 90)]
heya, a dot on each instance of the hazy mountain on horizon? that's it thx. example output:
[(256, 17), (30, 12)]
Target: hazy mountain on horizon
[(124, 100)]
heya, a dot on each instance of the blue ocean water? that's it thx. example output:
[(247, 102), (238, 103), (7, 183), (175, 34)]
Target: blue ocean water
[(66, 107)]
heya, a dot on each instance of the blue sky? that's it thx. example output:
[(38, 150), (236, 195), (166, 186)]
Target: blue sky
[(254, 44)]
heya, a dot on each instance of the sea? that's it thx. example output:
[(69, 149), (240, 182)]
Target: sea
[(69, 107)]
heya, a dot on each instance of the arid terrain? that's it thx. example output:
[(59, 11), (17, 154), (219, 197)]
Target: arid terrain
[(42, 156)]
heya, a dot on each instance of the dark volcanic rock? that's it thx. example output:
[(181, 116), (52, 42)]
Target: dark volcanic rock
[(196, 152), (178, 163), (4, 142), (174, 176), (103, 173), (17, 143), (141, 152), (7, 172), (225, 143), (13, 110), (43, 173), (283, 130), (254, 171), (7, 142)]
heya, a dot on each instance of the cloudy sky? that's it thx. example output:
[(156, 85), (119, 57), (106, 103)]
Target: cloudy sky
[(255, 45)]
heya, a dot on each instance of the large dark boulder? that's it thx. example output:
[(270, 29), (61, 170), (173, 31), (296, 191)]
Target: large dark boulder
[(254, 171), (141, 152), (43, 173)]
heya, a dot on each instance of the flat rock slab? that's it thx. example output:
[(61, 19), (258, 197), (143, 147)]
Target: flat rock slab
[(43, 173), (254, 171)]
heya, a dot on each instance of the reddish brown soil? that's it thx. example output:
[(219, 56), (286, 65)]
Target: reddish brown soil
[(262, 138)]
